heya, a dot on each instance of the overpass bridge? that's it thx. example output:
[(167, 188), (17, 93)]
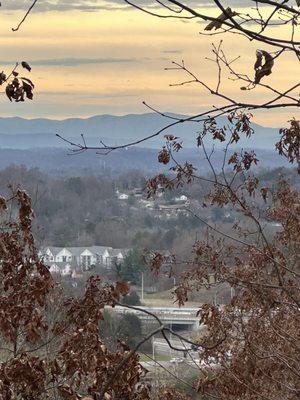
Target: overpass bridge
[(173, 316)]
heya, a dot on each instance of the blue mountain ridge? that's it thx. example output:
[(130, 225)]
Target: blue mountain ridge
[(20, 133)]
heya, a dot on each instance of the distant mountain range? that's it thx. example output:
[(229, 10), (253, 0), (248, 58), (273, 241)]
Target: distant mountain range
[(33, 142), (20, 133)]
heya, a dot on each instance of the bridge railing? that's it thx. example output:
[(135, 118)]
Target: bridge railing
[(169, 313)]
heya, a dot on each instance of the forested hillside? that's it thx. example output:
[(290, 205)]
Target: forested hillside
[(62, 162), (87, 210)]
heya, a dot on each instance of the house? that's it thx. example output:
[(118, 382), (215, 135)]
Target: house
[(83, 256), (181, 198), (123, 196), (49, 253), (101, 255), (74, 260)]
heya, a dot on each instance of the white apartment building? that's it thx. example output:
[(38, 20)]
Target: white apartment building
[(72, 260)]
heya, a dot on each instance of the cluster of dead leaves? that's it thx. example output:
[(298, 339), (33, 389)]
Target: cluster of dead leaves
[(289, 144), (243, 161), (159, 182), (172, 144), (18, 87), (263, 65), (240, 124)]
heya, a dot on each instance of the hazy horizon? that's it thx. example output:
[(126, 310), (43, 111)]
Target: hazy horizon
[(103, 58)]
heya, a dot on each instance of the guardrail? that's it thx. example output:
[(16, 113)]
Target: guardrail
[(160, 310), (165, 313)]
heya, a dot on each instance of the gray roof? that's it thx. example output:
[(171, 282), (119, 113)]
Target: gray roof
[(100, 249), (54, 250), (78, 250)]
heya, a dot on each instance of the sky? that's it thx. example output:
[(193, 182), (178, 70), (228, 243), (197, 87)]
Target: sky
[(96, 57)]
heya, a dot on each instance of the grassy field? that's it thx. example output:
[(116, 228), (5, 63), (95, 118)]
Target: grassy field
[(158, 357), (164, 299), (220, 294)]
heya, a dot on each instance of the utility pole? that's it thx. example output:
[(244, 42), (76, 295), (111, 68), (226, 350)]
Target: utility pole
[(153, 352), (231, 292), (170, 338), (142, 286), (215, 297), (153, 357)]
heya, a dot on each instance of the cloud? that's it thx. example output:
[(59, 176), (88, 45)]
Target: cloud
[(71, 62), (96, 5), (172, 51), (63, 5)]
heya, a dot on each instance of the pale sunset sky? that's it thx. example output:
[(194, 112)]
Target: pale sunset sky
[(96, 57)]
